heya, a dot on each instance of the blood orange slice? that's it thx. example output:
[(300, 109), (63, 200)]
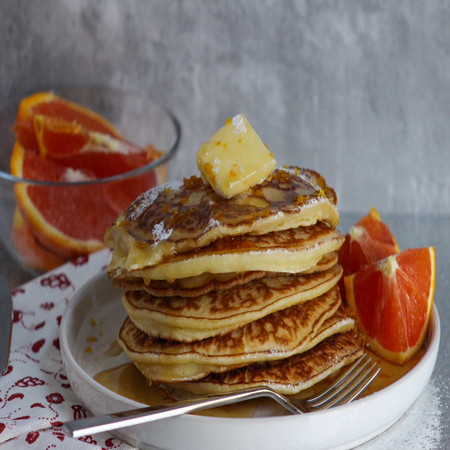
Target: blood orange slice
[(73, 145), (51, 105), (368, 241), (58, 138), (69, 219), (60, 141), (392, 301), (121, 193), (72, 219)]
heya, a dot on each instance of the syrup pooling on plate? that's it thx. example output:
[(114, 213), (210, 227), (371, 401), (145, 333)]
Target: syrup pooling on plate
[(127, 381)]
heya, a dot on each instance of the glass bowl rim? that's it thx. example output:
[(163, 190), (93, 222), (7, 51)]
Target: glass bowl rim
[(5, 176)]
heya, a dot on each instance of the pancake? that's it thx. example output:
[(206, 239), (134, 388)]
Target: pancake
[(218, 312), (293, 251), (226, 293), (276, 336), (206, 282), (287, 376), (182, 217)]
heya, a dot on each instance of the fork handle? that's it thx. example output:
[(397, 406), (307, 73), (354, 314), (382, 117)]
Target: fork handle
[(107, 422)]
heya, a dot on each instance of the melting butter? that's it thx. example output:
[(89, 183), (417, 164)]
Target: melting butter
[(235, 158)]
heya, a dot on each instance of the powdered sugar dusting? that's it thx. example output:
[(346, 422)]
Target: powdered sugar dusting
[(300, 173), (238, 123), (419, 429), (213, 223), (147, 198), (160, 233)]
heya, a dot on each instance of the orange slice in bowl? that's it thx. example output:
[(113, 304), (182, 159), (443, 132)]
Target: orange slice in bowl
[(69, 219), (58, 138), (392, 301), (50, 105), (72, 219), (60, 141), (368, 241), (121, 193), (73, 145)]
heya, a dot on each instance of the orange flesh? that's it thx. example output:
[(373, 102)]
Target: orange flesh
[(69, 208), (368, 241), (59, 138), (393, 299), (71, 220)]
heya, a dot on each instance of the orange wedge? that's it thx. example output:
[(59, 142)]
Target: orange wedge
[(368, 241), (51, 105), (60, 141), (68, 220), (73, 145), (59, 138), (392, 301)]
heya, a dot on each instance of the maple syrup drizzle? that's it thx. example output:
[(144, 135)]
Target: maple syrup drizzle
[(127, 381), (189, 210)]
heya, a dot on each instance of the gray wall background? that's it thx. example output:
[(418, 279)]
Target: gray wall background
[(358, 90)]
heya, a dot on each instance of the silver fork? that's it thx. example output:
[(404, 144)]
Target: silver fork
[(343, 390)]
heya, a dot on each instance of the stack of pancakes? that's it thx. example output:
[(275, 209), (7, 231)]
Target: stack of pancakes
[(229, 293)]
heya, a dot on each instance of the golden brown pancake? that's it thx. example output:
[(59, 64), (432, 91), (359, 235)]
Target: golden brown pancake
[(278, 335), (191, 319), (293, 251), (229, 293), (207, 282), (287, 376), (178, 218)]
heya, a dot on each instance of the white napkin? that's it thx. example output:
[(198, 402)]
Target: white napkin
[(35, 395)]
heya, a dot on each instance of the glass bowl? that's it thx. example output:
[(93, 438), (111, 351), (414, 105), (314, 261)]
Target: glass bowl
[(44, 224)]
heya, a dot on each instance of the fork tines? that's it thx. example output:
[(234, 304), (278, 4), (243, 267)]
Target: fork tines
[(347, 387)]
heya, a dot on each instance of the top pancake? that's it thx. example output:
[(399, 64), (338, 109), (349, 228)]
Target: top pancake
[(176, 218)]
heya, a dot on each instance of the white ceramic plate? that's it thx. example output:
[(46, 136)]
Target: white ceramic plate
[(337, 428)]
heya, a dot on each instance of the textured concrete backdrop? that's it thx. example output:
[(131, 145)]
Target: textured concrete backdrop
[(356, 90)]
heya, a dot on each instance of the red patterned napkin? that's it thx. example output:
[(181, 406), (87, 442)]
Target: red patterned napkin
[(35, 395)]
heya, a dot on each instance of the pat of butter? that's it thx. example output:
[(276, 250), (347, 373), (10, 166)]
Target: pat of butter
[(235, 158)]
